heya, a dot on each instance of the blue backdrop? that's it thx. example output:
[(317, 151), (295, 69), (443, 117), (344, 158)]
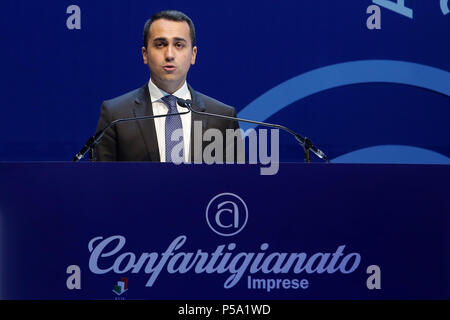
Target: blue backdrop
[(361, 95)]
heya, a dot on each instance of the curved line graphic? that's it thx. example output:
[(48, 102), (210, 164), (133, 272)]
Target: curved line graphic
[(353, 72), (444, 7), (393, 154)]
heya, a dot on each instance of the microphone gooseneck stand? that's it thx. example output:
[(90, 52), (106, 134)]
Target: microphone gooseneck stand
[(89, 146), (304, 142)]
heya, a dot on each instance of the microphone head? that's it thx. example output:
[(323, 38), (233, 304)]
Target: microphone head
[(185, 103)]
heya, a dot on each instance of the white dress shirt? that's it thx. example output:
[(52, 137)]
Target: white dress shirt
[(160, 108)]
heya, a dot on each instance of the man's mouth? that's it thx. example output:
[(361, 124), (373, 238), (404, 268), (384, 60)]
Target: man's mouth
[(169, 67)]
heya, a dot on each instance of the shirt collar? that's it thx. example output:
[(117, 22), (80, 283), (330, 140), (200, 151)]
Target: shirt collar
[(156, 93)]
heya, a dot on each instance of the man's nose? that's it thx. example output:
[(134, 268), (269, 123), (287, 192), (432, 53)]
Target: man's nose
[(170, 53)]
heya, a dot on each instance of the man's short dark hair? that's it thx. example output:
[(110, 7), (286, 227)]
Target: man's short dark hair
[(172, 15)]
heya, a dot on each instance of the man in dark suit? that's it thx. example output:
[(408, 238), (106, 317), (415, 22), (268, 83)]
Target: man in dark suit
[(169, 50)]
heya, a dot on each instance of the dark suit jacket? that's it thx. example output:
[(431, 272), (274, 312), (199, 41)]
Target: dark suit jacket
[(136, 140)]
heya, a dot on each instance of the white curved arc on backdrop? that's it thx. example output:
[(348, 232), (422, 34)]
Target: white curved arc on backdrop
[(348, 73)]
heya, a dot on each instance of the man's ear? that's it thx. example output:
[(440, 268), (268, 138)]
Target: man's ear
[(144, 55), (194, 55)]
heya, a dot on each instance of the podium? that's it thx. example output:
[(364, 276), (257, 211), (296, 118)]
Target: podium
[(163, 231)]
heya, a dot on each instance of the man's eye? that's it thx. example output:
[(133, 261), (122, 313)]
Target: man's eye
[(159, 44), (179, 45)]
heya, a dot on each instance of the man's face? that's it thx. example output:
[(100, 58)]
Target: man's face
[(169, 53)]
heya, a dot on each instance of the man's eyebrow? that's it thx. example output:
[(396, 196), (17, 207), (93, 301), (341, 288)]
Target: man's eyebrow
[(165, 39), (160, 39)]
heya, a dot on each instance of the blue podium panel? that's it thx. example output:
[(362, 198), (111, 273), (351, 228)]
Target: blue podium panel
[(161, 231)]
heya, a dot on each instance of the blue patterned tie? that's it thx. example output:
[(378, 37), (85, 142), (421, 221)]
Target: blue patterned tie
[(172, 123)]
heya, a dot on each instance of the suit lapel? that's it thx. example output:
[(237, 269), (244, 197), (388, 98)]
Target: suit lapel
[(142, 108), (197, 142)]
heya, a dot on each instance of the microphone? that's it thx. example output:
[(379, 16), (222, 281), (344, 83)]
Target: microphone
[(95, 139), (304, 142)]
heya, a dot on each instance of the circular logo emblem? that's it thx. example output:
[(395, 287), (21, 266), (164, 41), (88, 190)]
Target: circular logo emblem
[(226, 214)]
